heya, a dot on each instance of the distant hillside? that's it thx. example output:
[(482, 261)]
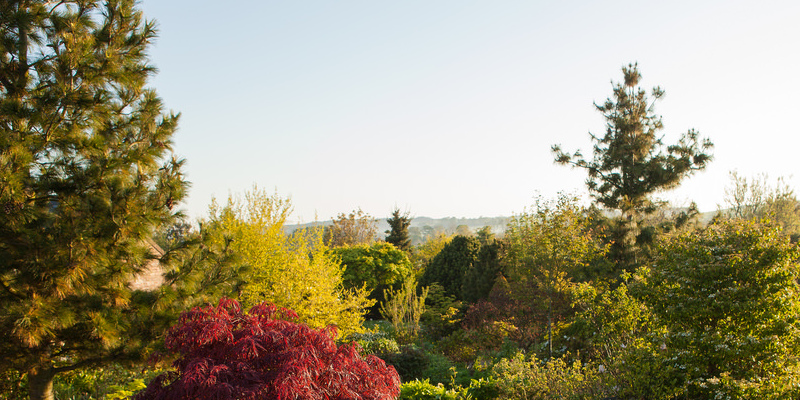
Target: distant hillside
[(423, 227)]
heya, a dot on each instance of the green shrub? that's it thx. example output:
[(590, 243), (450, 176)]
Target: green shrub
[(443, 313), (411, 362), (466, 345), (424, 390), (518, 378), (441, 370), (480, 389), (376, 343), (483, 389)]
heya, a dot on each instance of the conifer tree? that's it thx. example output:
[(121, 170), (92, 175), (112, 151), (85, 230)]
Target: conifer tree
[(85, 177), (398, 234), (450, 265), (631, 162)]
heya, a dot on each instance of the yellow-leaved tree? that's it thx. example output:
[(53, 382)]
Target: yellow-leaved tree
[(290, 270)]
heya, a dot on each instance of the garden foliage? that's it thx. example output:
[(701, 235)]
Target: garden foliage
[(293, 271), (87, 174), (728, 296), (376, 266), (224, 353)]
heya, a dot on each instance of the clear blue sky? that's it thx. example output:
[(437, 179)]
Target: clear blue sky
[(449, 107)]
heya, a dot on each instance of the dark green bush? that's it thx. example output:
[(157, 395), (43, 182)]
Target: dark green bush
[(411, 362)]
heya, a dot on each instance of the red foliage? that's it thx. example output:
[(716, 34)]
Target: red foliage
[(227, 354)]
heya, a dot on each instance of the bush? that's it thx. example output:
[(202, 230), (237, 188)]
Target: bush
[(482, 389), (411, 362), (227, 354), (378, 344), (442, 370), (111, 382), (424, 390), (518, 378), (442, 314), (467, 345)]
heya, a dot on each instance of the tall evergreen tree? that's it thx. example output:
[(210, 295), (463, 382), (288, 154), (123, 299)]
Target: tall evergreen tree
[(85, 178), (398, 234), (631, 162)]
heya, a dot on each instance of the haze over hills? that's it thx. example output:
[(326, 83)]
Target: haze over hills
[(422, 228)]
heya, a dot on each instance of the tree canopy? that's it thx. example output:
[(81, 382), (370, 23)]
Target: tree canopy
[(372, 266), (450, 265)]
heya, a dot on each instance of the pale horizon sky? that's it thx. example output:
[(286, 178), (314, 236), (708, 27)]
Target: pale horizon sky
[(448, 108)]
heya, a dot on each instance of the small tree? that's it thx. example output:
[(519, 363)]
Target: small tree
[(631, 163), (404, 307), (356, 228), (372, 268), (375, 266), (549, 247), (225, 353), (480, 277), (294, 271), (398, 234)]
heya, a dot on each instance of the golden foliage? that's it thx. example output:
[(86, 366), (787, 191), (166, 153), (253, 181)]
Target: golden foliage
[(292, 271)]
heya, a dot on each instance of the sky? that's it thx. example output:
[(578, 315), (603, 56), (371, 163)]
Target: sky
[(449, 108)]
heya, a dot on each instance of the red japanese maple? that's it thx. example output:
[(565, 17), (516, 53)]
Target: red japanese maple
[(227, 354)]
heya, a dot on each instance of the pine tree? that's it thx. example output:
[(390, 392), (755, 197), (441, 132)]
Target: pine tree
[(631, 162), (85, 178), (398, 234)]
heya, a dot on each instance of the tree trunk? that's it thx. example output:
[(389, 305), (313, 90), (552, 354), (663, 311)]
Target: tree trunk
[(40, 383)]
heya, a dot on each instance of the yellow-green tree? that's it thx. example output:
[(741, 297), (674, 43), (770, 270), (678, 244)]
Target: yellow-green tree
[(293, 271), (548, 248)]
